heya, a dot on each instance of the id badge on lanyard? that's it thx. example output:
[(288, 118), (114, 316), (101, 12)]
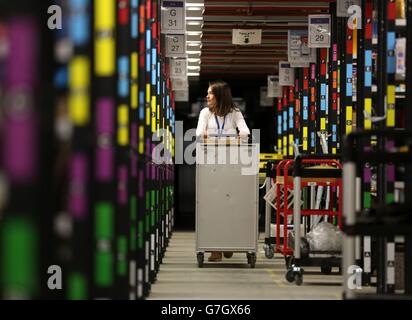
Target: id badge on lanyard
[(220, 130)]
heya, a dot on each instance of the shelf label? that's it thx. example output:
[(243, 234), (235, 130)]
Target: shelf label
[(274, 89), (299, 54), (265, 100), (178, 68), (319, 31), (182, 95), (286, 74), (173, 17), (179, 84), (176, 46)]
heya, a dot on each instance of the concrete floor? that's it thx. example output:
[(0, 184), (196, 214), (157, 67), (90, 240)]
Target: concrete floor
[(233, 279)]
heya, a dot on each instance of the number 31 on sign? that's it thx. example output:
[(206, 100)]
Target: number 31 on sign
[(173, 17)]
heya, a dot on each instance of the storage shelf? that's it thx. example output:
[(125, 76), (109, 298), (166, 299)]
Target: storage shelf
[(375, 229)]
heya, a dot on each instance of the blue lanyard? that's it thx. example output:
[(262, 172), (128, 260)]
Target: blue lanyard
[(220, 131)]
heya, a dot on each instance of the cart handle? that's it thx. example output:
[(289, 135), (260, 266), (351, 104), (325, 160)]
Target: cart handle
[(281, 164), (298, 166)]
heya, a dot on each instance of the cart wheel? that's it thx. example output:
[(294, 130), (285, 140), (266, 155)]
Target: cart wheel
[(248, 257), (298, 278), (252, 260), (200, 259), (326, 269), (290, 277), (269, 252)]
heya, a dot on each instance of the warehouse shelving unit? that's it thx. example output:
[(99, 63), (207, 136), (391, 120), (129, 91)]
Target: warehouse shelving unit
[(108, 215), (355, 85)]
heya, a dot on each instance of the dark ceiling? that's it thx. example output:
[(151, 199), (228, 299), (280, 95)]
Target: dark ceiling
[(275, 18)]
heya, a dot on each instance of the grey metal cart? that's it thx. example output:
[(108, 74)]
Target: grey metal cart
[(227, 173)]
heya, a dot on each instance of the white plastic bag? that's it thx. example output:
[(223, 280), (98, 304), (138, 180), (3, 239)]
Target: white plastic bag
[(325, 237)]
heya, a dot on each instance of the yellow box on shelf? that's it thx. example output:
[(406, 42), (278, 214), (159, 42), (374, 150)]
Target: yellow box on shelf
[(79, 98), (134, 103), (269, 156), (153, 114), (323, 124), (305, 139), (104, 57), (134, 74), (349, 118), (141, 139), (291, 144), (368, 109), (105, 49), (123, 125), (148, 93), (147, 116)]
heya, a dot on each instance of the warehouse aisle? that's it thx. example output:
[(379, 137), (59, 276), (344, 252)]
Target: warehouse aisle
[(180, 278)]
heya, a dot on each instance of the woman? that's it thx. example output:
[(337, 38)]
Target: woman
[(221, 117)]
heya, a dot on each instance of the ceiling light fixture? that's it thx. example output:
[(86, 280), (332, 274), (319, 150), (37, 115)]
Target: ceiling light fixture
[(194, 18), (194, 33), (194, 23)]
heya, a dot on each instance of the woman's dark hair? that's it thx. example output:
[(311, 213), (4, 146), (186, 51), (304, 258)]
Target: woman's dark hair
[(223, 96)]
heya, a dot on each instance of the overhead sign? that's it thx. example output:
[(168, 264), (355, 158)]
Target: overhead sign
[(179, 84), (286, 74), (173, 17), (319, 31), (265, 101), (299, 54), (182, 95), (274, 89), (343, 6), (400, 52), (176, 46), (246, 36), (178, 68)]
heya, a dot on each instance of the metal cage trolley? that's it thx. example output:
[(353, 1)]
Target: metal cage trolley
[(319, 170)]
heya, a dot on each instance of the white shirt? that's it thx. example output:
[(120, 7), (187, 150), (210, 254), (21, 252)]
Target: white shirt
[(207, 123)]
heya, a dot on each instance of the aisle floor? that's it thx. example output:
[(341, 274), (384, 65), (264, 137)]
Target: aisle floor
[(180, 277)]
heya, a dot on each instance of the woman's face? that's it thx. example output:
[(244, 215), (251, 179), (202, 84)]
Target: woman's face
[(211, 100)]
